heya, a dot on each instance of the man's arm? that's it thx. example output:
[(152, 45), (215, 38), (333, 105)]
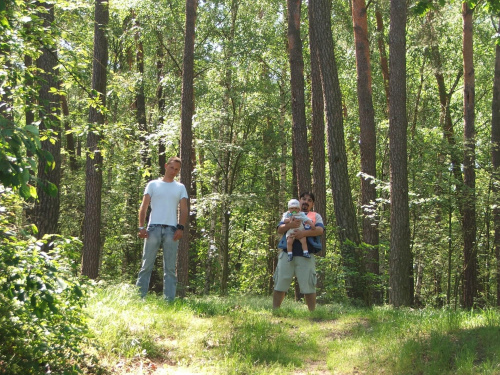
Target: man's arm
[(146, 199), (183, 214), (293, 223), (317, 231)]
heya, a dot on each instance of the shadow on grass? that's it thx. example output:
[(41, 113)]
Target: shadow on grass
[(466, 351), (260, 341)]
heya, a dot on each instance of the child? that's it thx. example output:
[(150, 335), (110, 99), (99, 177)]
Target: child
[(295, 213)]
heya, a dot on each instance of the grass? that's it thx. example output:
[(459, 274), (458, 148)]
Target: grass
[(243, 335)]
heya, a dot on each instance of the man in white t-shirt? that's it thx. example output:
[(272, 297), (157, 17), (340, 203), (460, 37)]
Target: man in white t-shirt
[(165, 196)]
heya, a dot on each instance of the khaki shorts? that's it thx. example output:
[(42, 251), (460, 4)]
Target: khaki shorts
[(303, 268)]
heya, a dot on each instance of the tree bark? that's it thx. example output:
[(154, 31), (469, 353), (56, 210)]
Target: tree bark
[(368, 139), (46, 209), (94, 164), (317, 133), (345, 213), (299, 128), (187, 110), (400, 255), (469, 195)]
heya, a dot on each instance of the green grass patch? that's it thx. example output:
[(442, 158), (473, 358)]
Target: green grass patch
[(243, 335)]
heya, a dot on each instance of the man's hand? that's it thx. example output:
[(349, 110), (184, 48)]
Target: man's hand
[(178, 234), (143, 233), (298, 234), (294, 223)]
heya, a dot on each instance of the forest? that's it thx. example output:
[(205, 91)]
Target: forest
[(388, 111)]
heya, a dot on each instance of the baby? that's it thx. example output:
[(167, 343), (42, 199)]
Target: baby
[(294, 213)]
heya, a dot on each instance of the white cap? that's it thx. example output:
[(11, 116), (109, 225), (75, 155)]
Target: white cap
[(293, 203)]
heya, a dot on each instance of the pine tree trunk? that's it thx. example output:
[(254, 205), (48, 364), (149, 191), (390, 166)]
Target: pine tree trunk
[(46, 210), (92, 222), (345, 213), (317, 135), (187, 110), (368, 139), (400, 256), (299, 128)]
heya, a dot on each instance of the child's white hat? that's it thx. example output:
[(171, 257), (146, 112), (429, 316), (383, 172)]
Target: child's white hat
[(293, 203)]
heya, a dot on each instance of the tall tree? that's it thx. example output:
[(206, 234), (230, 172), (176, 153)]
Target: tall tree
[(368, 139), (345, 213), (317, 131), (299, 129), (46, 210), (469, 225), (400, 254), (94, 163), (495, 160), (187, 110)]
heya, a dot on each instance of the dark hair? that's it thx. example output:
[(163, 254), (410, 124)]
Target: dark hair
[(307, 193), (174, 159)]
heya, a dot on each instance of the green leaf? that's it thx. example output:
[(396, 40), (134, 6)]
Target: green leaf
[(32, 129), (25, 191), (51, 189)]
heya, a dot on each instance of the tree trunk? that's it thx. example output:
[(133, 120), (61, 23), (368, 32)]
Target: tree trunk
[(46, 209), (495, 161), (400, 255), (368, 140), (469, 195), (345, 213), (94, 164), (317, 134), (187, 110), (299, 128)]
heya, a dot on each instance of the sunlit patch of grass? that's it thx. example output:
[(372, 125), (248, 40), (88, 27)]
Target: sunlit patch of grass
[(244, 335)]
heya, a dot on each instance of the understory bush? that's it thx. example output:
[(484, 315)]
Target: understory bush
[(42, 322)]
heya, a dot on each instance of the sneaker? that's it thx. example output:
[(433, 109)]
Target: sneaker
[(290, 257), (307, 255)]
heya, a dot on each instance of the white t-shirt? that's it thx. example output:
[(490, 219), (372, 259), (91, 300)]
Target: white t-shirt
[(165, 198)]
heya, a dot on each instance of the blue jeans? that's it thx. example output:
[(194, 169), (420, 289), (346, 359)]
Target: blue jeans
[(159, 235)]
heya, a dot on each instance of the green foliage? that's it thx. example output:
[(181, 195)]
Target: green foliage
[(42, 322), (15, 166)]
